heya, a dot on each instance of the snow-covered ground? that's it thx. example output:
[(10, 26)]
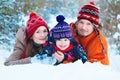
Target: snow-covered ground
[(71, 71)]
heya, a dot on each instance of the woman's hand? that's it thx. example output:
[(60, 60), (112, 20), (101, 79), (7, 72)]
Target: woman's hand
[(59, 56)]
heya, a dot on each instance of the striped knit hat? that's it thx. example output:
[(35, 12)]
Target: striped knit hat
[(89, 12), (62, 29)]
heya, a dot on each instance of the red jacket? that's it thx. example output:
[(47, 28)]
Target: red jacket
[(93, 46)]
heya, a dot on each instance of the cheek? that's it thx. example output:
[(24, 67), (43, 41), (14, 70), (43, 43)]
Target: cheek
[(80, 27), (57, 43), (68, 44), (46, 34), (34, 36), (90, 29), (77, 26), (35, 39)]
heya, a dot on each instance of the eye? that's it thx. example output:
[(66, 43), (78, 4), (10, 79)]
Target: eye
[(45, 31), (65, 39), (81, 22), (37, 31), (88, 23)]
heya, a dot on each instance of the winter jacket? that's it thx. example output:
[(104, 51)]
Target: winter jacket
[(93, 46), (18, 51), (72, 53)]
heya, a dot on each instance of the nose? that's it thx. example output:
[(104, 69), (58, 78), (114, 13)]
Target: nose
[(63, 42), (42, 34), (83, 26)]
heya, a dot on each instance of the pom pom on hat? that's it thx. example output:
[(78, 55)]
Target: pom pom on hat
[(62, 29), (60, 18), (32, 14), (92, 3), (33, 23), (89, 12)]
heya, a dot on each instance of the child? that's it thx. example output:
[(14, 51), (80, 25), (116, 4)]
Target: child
[(61, 39)]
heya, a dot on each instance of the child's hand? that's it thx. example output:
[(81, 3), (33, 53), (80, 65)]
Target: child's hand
[(59, 56)]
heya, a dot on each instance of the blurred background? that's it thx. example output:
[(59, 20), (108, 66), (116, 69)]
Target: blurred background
[(14, 14)]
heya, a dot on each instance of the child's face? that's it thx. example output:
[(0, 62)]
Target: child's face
[(63, 43), (85, 27)]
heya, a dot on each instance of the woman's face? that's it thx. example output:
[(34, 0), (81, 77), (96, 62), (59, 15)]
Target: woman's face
[(85, 27), (63, 43), (40, 35)]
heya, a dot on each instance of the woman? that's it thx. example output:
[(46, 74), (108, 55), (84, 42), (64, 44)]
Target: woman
[(87, 31), (30, 41)]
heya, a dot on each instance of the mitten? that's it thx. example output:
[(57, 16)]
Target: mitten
[(43, 59)]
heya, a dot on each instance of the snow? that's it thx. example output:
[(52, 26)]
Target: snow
[(71, 71), (118, 16), (119, 26), (116, 35)]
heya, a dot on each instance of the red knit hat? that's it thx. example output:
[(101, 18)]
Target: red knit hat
[(89, 12), (33, 23)]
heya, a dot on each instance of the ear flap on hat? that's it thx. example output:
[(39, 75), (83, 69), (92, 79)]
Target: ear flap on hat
[(74, 29)]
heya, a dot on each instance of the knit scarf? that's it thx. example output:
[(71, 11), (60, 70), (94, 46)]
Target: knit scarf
[(66, 50)]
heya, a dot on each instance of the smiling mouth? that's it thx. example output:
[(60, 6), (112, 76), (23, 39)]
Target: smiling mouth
[(62, 46), (82, 30), (42, 39)]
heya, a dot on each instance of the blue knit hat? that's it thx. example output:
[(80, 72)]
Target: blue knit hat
[(62, 29)]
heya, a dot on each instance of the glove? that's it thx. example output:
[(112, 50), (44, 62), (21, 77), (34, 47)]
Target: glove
[(84, 59), (43, 59)]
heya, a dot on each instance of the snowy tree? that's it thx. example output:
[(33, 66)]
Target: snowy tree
[(12, 13), (9, 21), (110, 10)]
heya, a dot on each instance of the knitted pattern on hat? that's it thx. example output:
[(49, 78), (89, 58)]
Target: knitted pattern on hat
[(33, 23), (62, 29), (89, 12)]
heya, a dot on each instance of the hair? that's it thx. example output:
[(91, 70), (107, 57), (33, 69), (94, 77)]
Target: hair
[(32, 48)]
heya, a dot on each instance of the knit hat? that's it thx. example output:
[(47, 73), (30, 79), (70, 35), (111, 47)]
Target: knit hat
[(62, 29), (89, 12), (33, 23)]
